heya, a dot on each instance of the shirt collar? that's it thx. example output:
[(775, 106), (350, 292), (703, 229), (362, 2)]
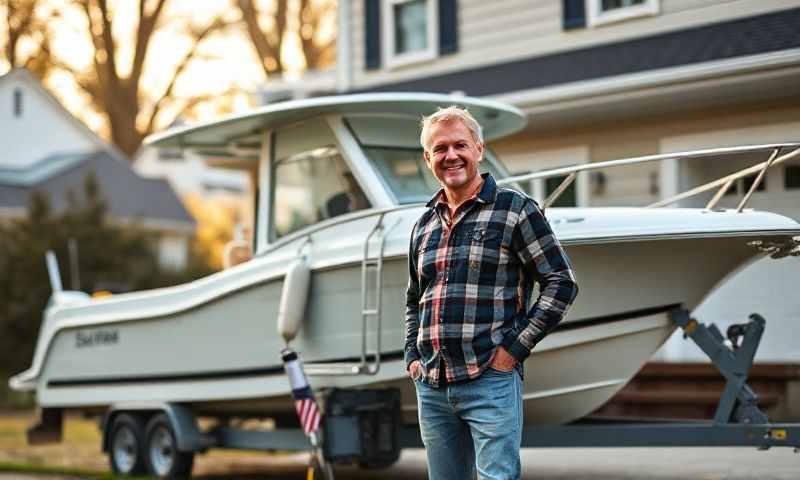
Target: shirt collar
[(486, 195)]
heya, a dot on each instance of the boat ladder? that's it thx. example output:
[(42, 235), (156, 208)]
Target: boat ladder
[(371, 278)]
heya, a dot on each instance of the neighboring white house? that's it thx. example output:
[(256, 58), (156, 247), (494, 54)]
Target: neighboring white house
[(601, 80), (46, 149), (188, 174)]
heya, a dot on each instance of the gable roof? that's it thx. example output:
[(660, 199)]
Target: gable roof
[(131, 198)]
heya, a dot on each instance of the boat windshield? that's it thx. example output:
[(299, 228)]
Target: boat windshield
[(405, 172), (392, 145)]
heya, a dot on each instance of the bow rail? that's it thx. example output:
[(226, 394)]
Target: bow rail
[(724, 183)]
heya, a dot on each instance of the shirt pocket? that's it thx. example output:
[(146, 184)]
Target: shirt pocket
[(426, 257), (485, 246)]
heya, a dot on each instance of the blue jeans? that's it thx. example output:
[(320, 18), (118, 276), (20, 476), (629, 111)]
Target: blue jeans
[(474, 424)]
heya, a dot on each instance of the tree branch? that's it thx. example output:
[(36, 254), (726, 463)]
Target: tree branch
[(96, 42), (196, 100), (184, 63), (91, 88), (108, 43), (316, 54), (268, 51), (147, 25)]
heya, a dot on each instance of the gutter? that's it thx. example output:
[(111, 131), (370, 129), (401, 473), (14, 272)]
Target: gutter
[(548, 98)]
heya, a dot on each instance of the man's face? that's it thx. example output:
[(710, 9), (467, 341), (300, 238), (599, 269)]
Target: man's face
[(453, 155)]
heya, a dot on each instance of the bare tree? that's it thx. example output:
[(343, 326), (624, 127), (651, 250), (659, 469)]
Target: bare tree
[(130, 112), (23, 24), (318, 51), (268, 30)]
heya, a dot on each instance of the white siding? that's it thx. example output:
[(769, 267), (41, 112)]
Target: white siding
[(40, 130), (506, 30), (191, 175)]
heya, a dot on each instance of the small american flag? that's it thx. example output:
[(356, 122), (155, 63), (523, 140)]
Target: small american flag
[(307, 410)]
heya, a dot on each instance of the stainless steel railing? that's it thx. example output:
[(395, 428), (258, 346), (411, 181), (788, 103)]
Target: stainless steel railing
[(724, 183)]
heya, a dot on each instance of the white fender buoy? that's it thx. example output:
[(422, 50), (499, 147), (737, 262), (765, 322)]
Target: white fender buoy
[(294, 296)]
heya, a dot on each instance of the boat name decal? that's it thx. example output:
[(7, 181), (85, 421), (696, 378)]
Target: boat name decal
[(557, 221), (96, 338)]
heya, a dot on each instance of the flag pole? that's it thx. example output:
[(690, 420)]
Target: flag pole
[(307, 410)]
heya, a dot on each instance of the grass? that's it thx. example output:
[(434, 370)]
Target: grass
[(60, 471), (79, 450), (79, 454)]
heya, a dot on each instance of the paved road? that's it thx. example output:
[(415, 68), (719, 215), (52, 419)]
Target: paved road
[(573, 464), (635, 463)]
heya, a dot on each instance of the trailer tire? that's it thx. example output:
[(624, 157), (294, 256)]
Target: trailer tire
[(126, 445), (162, 456)]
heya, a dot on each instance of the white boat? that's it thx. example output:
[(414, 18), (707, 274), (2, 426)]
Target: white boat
[(340, 181)]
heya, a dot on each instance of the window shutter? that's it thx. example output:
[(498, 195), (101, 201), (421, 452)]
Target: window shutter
[(574, 14), (448, 26), (372, 24)]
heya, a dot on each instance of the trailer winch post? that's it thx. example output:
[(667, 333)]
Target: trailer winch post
[(734, 359)]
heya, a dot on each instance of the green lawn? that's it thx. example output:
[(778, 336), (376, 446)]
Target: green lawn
[(79, 454)]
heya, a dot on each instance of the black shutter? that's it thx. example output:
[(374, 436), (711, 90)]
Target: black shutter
[(448, 26), (574, 14), (372, 24)]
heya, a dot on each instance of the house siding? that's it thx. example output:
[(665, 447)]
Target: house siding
[(497, 32), (37, 132)]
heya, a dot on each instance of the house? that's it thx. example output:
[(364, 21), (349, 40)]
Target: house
[(48, 150), (602, 80), (188, 174)]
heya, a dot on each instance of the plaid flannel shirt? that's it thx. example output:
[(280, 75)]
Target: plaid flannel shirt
[(470, 283)]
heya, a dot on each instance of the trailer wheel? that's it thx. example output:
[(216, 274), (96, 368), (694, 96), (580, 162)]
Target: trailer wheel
[(126, 452), (162, 457)]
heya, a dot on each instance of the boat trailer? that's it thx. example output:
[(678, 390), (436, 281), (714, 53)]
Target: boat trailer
[(738, 421), (364, 426)]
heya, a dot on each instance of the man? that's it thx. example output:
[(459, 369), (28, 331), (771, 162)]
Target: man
[(473, 260)]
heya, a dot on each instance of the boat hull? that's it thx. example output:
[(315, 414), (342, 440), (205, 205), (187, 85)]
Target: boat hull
[(222, 357)]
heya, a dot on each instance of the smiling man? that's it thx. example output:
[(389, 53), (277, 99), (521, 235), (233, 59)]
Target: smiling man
[(473, 260)]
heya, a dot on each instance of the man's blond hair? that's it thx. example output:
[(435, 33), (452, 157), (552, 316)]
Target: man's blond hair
[(449, 114)]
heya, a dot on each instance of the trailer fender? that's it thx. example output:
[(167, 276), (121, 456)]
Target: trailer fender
[(188, 436)]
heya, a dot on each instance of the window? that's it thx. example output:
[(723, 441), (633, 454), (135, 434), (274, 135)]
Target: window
[(791, 177), (17, 102), (742, 185), (748, 181), (608, 11), (312, 182), (567, 198), (410, 31)]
